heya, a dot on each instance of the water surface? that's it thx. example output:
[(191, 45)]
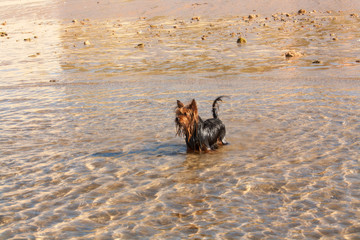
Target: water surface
[(88, 146)]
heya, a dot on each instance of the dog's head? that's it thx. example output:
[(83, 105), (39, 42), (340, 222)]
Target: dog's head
[(186, 118)]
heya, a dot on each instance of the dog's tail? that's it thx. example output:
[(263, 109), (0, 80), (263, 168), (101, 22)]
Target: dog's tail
[(215, 106)]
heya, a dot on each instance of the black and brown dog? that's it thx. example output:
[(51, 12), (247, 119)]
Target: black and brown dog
[(199, 135)]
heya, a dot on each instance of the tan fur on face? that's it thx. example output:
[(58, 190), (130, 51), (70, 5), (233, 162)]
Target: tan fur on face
[(187, 118)]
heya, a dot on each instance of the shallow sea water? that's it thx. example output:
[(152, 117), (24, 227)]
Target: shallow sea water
[(88, 146)]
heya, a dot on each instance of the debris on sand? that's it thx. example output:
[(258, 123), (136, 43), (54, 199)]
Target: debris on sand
[(252, 16), (316, 62), (291, 54), (241, 40), (35, 55), (302, 11), (195, 18), (140, 45), (87, 42)]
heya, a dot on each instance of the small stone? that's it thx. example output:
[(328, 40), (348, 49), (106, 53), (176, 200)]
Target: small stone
[(195, 18), (203, 37), (358, 61), (74, 21), (252, 16), (335, 39), (302, 11), (27, 39), (291, 54), (87, 42), (354, 15), (140, 45), (4, 23), (3, 34), (52, 80), (35, 55), (316, 62), (241, 40)]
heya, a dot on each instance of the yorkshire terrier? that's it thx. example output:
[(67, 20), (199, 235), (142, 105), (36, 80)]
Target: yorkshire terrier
[(199, 135)]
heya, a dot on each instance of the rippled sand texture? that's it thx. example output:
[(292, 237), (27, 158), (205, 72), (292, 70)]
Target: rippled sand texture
[(87, 135)]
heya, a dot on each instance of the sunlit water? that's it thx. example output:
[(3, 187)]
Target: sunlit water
[(88, 146)]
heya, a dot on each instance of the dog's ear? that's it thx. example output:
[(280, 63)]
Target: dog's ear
[(180, 104), (193, 105)]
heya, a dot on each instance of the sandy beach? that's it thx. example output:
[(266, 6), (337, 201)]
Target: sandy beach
[(213, 9), (105, 9)]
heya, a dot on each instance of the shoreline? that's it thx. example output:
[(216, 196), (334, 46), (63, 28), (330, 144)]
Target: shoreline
[(317, 43)]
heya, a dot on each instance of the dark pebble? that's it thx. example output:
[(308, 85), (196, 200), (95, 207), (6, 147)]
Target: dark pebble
[(316, 62), (140, 45), (241, 40)]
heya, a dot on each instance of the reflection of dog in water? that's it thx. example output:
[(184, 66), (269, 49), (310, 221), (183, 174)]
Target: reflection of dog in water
[(199, 135)]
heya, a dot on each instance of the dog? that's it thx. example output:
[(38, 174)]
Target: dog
[(199, 135)]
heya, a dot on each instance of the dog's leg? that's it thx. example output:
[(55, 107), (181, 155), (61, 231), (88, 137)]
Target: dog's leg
[(207, 146), (214, 146), (222, 137), (223, 141)]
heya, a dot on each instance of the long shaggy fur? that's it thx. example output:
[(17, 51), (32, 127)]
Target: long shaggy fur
[(199, 135)]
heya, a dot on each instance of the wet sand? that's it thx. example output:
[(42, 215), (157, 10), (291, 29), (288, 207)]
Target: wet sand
[(87, 137), (104, 9), (208, 9)]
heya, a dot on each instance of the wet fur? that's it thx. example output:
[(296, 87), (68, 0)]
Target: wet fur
[(199, 135)]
